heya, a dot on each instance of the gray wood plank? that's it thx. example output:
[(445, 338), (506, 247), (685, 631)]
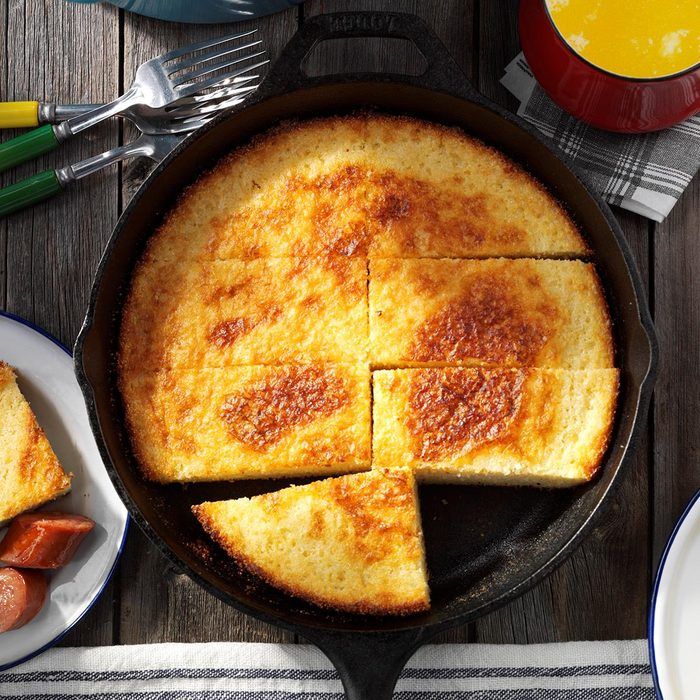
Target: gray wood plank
[(54, 50), (677, 397), (157, 603), (582, 600)]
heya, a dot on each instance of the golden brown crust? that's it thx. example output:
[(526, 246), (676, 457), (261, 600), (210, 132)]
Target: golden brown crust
[(450, 408), (260, 414), (489, 322), (361, 204), (248, 422)]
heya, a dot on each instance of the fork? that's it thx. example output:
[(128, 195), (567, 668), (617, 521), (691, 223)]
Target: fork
[(161, 132), (19, 115), (159, 82)]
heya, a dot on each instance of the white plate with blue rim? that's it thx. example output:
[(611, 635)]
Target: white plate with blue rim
[(674, 618), (45, 376)]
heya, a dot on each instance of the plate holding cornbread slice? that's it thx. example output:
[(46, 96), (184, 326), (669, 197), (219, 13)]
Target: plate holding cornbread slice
[(43, 372), (365, 293)]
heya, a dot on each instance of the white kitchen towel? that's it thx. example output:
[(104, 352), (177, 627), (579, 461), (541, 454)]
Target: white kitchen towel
[(617, 670), (645, 173)]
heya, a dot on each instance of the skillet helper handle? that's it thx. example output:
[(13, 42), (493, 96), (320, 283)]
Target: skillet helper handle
[(30, 191), (27, 146), (442, 72), (18, 115)]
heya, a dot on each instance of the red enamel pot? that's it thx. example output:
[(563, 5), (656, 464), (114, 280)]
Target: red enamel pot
[(603, 99)]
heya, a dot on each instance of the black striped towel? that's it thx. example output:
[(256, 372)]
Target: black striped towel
[(226, 671), (645, 173)]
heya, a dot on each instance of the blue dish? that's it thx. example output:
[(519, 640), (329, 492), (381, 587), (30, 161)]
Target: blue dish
[(201, 11)]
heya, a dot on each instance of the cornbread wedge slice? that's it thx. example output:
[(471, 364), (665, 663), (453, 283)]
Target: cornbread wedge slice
[(352, 543), (249, 422), (246, 312), (30, 474), (512, 427), (543, 313), (366, 184)]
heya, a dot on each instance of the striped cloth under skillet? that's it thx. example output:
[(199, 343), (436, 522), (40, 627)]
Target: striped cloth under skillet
[(223, 671), (645, 173)]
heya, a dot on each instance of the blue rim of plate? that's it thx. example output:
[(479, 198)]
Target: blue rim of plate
[(655, 592), (108, 578)]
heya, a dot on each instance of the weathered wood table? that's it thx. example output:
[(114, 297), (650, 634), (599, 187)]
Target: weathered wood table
[(87, 53)]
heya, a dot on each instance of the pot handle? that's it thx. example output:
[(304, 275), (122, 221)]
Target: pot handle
[(369, 663), (442, 72)]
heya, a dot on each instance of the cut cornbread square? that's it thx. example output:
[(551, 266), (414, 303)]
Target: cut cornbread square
[(352, 543), (30, 474), (366, 184), (513, 427), (543, 313), (246, 312), (248, 422)]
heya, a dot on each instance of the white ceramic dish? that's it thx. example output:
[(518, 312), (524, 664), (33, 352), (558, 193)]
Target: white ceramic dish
[(674, 619), (45, 376)]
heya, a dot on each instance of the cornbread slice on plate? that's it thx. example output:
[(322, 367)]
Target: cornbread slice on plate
[(366, 184), (543, 313), (249, 422), (352, 543), (30, 474), (513, 427), (246, 312)]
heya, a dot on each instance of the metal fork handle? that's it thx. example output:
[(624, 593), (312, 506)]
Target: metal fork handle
[(155, 147), (81, 122), (50, 182)]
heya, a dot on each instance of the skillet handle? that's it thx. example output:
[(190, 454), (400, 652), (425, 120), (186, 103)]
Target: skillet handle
[(442, 72), (369, 663)]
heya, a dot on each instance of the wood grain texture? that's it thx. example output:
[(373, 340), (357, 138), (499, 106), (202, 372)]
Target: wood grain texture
[(157, 603), (53, 50), (677, 404)]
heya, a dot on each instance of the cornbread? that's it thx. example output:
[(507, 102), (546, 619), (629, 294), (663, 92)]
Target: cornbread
[(529, 427), (30, 474), (353, 543), (249, 422), (365, 293), (246, 312), (365, 184), (543, 313)]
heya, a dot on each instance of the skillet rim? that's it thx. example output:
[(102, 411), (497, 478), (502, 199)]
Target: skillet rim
[(270, 90)]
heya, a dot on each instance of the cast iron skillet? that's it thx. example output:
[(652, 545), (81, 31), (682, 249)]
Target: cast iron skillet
[(485, 545)]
